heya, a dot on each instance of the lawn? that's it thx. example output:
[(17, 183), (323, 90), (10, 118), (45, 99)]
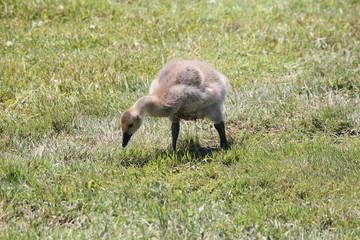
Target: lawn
[(68, 68)]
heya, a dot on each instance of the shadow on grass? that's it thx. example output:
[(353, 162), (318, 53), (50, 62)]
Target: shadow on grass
[(196, 151), (189, 150)]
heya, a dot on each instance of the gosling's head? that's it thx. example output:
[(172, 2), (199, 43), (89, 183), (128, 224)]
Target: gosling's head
[(130, 123)]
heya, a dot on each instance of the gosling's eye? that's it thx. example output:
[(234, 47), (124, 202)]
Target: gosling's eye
[(130, 125)]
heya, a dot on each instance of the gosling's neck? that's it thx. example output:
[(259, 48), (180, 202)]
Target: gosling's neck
[(151, 105)]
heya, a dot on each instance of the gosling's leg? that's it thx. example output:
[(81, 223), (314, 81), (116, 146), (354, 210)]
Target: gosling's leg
[(220, 127), (175, 128)]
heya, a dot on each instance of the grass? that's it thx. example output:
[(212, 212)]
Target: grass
[(69, 68)]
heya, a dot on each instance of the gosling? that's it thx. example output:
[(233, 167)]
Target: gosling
[(182, 89)]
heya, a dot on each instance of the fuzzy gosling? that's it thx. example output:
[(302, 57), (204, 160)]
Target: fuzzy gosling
[(182, 89)]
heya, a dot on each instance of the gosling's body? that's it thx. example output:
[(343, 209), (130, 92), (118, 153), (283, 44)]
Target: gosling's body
[(186, 90)]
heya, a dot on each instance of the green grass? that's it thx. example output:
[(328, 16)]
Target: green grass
[(69, 68)]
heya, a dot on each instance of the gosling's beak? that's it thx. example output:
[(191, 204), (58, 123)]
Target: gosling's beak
[(126, 138)]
